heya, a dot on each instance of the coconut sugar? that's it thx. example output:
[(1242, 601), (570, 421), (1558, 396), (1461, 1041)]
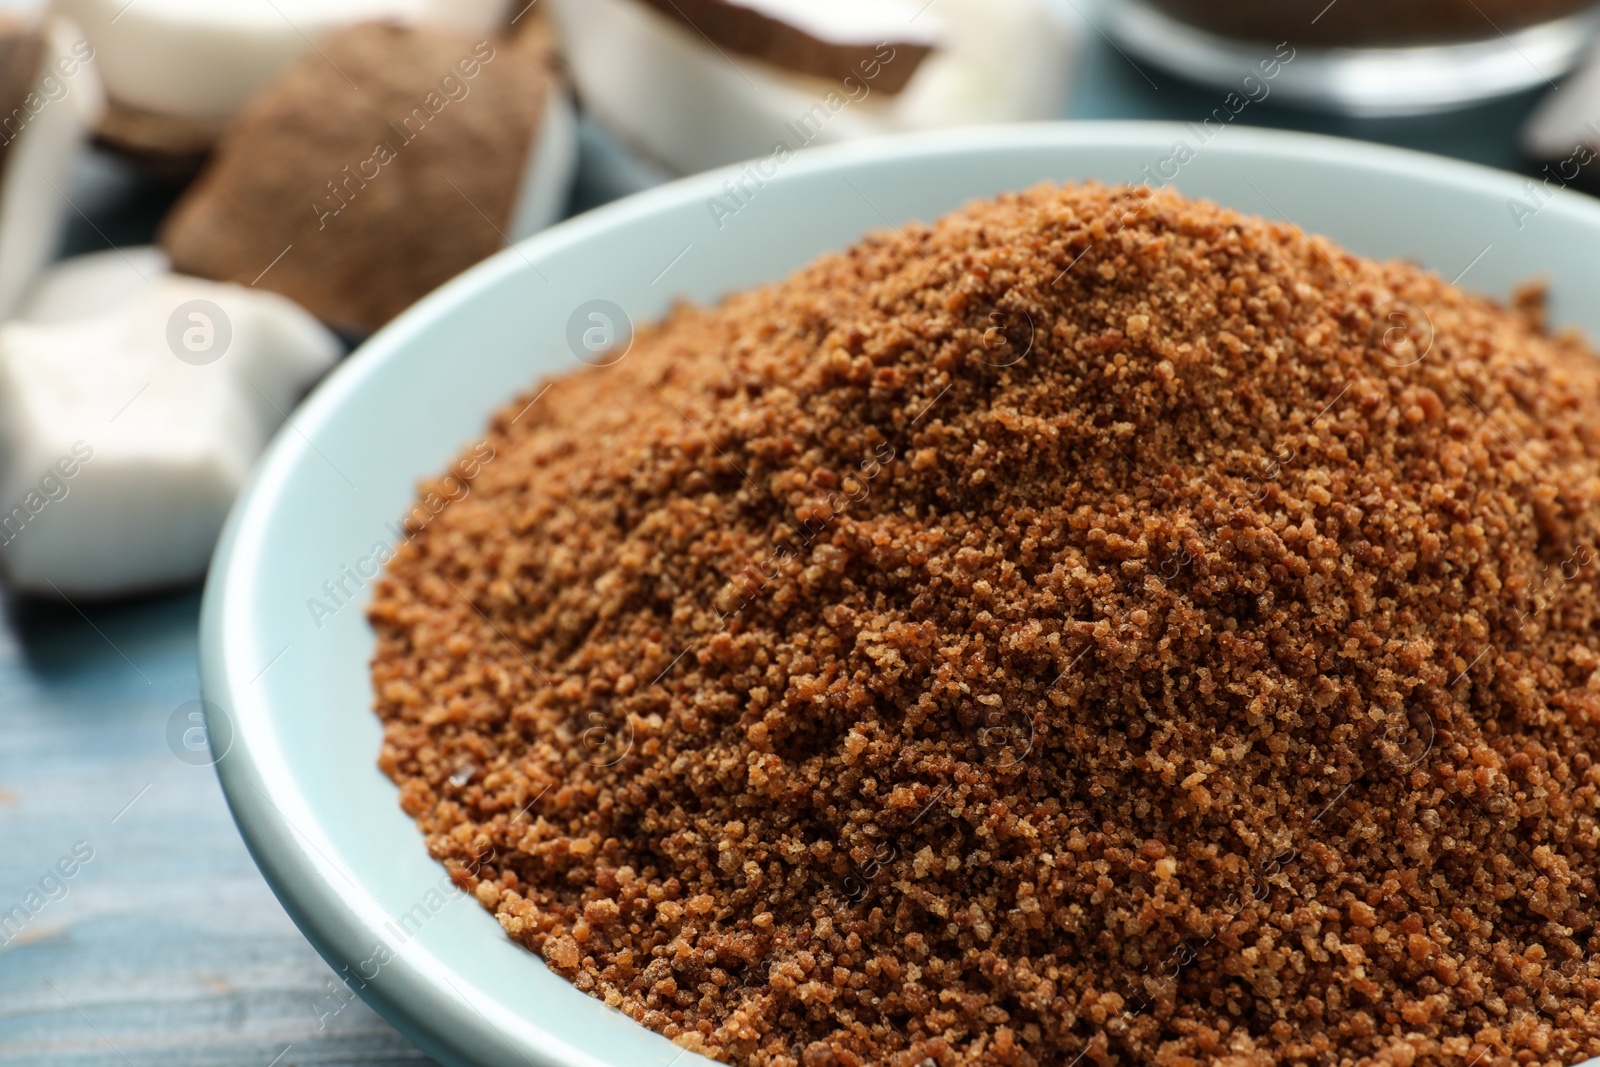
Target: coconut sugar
[(1094, 627)]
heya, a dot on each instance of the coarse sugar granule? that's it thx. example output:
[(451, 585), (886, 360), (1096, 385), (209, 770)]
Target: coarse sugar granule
[(1095, 627)]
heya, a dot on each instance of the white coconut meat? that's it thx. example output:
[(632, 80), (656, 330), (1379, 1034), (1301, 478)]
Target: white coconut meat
[(124, 437), (43, 136), (1563, 128), (85, 286), (662, 87), (199, 60), (549, 169), (852, 21)]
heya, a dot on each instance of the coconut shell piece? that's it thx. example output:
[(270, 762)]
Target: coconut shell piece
[(50, 96), (21, 62), (164, 147), (796, 36), (369, 174)]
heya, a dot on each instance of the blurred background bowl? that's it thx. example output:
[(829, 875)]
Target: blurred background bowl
[(1365, 57)]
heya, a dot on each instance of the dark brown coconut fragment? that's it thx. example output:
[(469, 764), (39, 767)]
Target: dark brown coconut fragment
[(370, 173), (21, 60), (748, 30), (162, 146)]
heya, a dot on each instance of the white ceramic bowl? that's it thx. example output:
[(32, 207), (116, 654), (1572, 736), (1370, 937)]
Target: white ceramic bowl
[(289, 684)]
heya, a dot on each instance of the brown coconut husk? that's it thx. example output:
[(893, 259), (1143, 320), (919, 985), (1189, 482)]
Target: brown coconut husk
[(370, 173)]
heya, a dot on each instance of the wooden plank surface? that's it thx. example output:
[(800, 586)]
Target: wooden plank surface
[(166, 947)]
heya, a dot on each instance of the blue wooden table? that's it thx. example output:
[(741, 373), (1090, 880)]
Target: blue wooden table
[(164, 946)]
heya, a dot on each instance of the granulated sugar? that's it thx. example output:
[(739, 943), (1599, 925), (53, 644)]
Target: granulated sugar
[(1094, 627)]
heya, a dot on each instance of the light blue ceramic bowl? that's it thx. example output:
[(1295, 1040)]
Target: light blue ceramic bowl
[(291, 677)]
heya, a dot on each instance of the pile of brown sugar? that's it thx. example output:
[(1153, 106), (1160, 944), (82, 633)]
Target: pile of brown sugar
[(1097, 627)]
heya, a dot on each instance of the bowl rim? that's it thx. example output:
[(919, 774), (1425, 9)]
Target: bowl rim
[(441, 1021)]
